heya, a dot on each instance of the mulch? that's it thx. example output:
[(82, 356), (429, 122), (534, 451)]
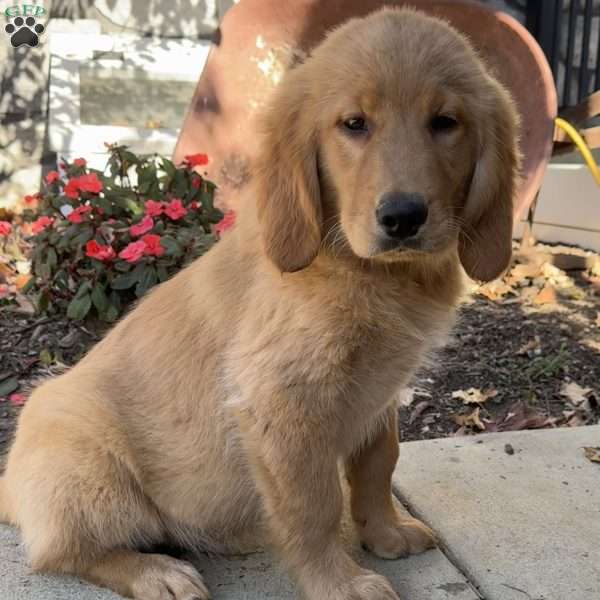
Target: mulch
[(33, 348), (524, 354)]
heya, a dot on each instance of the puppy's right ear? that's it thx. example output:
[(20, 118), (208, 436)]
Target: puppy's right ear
[(287, 182)]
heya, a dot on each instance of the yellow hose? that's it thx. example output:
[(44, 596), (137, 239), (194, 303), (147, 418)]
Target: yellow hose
[(581, 146)]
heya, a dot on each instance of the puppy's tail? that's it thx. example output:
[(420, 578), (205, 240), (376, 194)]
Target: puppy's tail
[(5, 513)]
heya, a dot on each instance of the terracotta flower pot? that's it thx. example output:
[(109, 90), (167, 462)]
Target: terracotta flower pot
[(259, 38)]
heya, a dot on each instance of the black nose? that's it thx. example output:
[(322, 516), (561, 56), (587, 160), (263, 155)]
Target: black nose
[(401, 215)]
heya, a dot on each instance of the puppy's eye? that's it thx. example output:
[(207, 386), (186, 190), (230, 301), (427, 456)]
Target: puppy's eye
[(443, 124), (355, 125)]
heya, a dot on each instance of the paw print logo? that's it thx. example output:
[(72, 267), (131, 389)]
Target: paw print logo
[(24, 31)]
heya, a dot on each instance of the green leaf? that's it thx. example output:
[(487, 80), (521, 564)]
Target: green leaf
[(46, 357), (43, 302), (168, 167), (51, 258), (147, 280), (115, 300), (172, 248), (84, 289), (133, 207), (128, 280), (8, 386), (206, 199), (105, 205), (123, 266), (43, 270), (161, 272), (85, 235), (179, 185), (54, 238), (79, 307), (111, 314), (147, 178), (129, 157), (99, 298)]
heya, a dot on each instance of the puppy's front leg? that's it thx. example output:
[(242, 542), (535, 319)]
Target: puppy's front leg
[(295, 468), (382, 529)]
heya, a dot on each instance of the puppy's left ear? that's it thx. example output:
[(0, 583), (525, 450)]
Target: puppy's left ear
[(485, 242)]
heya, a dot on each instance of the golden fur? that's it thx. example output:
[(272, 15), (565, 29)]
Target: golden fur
[(215, 414)]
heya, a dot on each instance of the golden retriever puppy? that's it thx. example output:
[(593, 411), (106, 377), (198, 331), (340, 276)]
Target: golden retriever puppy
[(216, 413)]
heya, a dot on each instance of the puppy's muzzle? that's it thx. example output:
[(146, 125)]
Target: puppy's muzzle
[(400, 216)]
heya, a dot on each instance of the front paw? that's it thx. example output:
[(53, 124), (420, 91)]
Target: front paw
[(366, 586), (396, 537)]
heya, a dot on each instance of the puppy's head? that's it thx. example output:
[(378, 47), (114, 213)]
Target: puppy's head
[(393, 141)]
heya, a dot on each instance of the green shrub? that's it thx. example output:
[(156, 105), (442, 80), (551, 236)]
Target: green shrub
[(101, 240)]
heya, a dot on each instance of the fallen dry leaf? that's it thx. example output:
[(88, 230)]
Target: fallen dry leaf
[(418, 410), (21, 281), (520, 416), (597, 321), (531, 346), (592, 453), (574, 418), (523, 271), (474, 395), (546, 296), (407, 396), (471, 420), (592, 344), (574, 392), (494, 290)]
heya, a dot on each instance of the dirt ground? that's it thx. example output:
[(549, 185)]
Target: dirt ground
[(525, 354)]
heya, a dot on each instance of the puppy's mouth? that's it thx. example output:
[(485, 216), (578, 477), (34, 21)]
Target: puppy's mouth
[(385, 245)]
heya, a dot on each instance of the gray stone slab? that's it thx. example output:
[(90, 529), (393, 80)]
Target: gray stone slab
[(17, 582), (429, 576), (524, 526)]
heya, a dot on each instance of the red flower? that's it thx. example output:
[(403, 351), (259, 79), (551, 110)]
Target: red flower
[(153, 208), (31, 200), (52, 176), (196, 160), (196, 182), (133, 252), (90, 183), (175, 210), (144, 226), (193, 205), (80, 162), (76, 216), (5, 227), (17, 399), (153, 247), (225, 223), (72, 188), (95, 250), (40, 224)]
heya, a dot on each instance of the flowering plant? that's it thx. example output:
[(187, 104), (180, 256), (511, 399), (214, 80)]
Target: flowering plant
[(100, 240)]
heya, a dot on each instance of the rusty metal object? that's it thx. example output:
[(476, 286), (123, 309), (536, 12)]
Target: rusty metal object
[(261, 38), (579, 116)]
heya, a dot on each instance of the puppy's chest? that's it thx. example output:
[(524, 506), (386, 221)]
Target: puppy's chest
[(365, 336), (382, 334)]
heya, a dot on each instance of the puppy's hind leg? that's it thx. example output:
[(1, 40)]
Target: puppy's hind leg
[(82, 511), (5, 512)]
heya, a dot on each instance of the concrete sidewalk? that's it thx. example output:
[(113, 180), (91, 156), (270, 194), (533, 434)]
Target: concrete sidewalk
[(521, 526)]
